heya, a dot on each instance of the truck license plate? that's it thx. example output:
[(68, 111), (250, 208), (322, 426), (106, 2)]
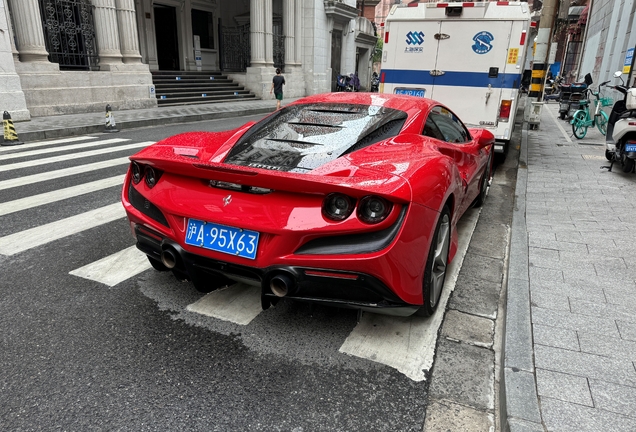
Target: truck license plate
[(222, 238), (410, 92)]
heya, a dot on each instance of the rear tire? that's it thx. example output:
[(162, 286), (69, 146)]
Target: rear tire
[(627, 164), (609, 155), (562, 115), (436, 265)]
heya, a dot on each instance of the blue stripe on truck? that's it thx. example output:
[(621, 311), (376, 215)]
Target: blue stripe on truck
[(456, 79)]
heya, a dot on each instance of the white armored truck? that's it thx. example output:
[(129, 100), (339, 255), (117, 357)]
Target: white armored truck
[(469, 56)]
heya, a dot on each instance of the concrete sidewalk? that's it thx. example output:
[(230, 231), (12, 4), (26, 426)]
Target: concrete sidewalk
[(39, 128), (570, 344)]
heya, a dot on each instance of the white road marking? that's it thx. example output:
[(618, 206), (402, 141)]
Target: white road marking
[(556, 121), (408, 343), (43, 234), (63, 158), (115, 268), (62, 148), (64, 172), (239, 303), (29, 146), (59, 194)]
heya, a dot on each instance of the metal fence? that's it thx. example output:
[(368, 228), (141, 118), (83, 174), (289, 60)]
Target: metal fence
[(236, 48), (69, 33)]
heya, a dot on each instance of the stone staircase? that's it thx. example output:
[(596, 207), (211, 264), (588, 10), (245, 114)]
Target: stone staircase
[(187, 87)]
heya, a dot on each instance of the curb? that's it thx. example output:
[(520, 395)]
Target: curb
[(94, 128), (519, 389)]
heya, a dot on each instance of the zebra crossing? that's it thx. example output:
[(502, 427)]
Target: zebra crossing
[(373, 338)]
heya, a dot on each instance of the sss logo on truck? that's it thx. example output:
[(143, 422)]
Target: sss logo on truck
[(413, 39), (483, 42)]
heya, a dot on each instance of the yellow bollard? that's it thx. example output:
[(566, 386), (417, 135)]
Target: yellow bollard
[(10, 135), (110, 121)]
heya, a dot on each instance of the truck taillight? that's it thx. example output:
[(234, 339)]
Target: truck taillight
[(504, 110), (386, 37), (382, 77)]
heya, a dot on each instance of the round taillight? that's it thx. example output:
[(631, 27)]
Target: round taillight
[(374, 209), (337, 206), (136, 173), (151, 177)]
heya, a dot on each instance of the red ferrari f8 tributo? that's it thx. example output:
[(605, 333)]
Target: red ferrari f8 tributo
[(340, 199)]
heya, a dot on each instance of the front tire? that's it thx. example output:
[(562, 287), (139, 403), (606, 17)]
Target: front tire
[(602, 123), (578, 125), (609, 155), (483, 184), (436, 265)]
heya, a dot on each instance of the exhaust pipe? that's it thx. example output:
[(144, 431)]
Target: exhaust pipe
[(281, 285), (169, 258)]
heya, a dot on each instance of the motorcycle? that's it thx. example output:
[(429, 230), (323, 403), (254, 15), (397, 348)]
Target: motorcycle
[(571, 96), (552, 90), (375, 82), (620, 140), (342, 81), (353, 85)]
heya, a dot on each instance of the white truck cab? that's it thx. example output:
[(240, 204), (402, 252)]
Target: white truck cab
[(468, 56)]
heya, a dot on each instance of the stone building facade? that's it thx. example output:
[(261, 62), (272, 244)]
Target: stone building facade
[(70, 56)]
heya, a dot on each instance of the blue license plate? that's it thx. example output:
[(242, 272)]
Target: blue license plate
[(410, 92), (222, 238), (630, 147)]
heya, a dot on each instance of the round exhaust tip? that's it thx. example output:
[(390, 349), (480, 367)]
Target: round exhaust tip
[(280, 285), (168, 258)]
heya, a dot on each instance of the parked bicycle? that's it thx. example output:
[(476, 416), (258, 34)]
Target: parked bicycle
[(582, 119)]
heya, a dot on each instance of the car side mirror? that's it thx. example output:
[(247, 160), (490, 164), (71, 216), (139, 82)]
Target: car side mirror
[(483, 137)]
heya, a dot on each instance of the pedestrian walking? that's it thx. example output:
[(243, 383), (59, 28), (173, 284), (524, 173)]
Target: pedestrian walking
[(277, 88)]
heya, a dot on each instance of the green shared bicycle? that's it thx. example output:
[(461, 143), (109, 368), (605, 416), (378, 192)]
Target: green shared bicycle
[(581, 119)]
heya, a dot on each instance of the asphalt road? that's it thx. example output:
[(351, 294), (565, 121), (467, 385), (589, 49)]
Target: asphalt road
[(79, 354)]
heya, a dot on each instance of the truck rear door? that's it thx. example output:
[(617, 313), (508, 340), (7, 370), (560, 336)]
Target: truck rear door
[(470, 66)]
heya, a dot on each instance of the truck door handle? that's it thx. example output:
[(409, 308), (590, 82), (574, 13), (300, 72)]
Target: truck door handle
[(436, 72), (440, 36)]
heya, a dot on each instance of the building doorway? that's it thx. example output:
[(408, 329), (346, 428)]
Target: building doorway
[(167, 39)]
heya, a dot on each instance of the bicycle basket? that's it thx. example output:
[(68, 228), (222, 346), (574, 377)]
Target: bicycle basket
[(605, 101)]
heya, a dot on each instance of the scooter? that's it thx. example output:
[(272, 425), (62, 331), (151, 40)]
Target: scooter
[(620, 140)]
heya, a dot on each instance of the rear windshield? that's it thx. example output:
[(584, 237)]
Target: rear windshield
[(303, 137)]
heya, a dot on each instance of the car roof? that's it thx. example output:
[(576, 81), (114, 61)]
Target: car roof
[(399, 102)]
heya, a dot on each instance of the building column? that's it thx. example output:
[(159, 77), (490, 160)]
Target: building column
[(289, 31), (14, 49), (298, 23), (269, 33), (107, 33), (11, 94), (257, 32), (29, 31), (128, 36)]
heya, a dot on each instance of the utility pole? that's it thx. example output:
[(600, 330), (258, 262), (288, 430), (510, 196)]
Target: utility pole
[(544, 37)]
